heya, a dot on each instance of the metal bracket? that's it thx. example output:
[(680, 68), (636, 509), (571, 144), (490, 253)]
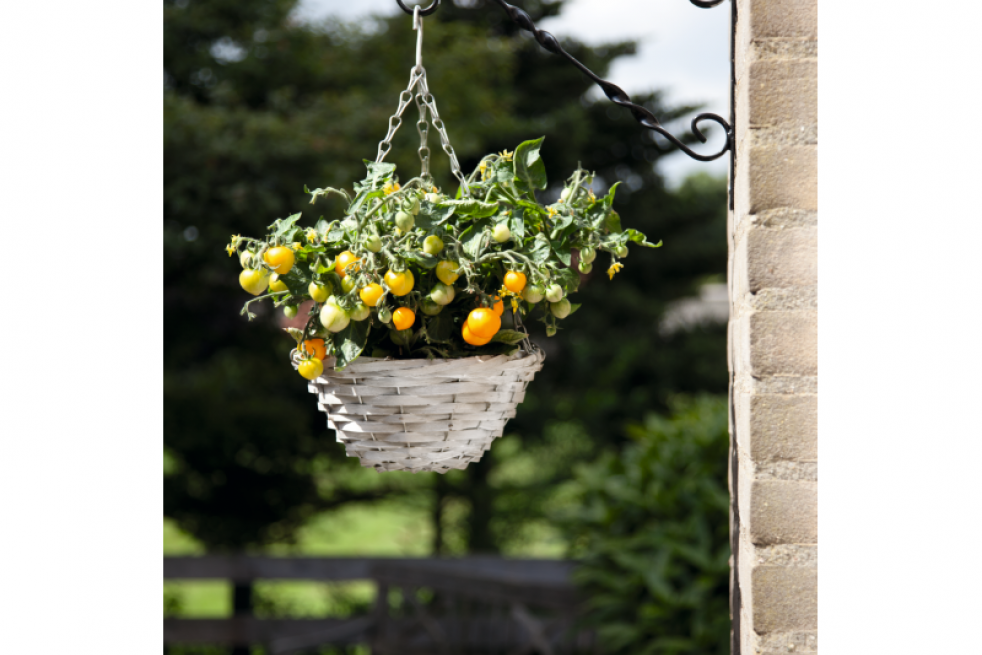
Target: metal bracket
[(616, 94)]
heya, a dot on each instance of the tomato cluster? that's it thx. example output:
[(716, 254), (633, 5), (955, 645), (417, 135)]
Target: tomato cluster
[(411, 272)]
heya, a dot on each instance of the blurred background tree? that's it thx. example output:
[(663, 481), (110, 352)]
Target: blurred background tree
[(258, 104)]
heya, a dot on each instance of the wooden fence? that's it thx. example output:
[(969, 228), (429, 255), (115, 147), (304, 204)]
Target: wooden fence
[(479, 605)]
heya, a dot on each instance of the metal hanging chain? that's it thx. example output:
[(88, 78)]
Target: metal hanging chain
[(616, 94), (419, 91)]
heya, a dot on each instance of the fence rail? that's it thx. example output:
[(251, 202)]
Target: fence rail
[(475, 605)]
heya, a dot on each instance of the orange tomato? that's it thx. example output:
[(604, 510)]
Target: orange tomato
[(315, 348), (371, 293), (499, 306), (280, 259), (471, 339), (344, 260), (484, 323), (403, 318), (515, 281)]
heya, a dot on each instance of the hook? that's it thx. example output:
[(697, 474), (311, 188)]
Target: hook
[(423, 12)]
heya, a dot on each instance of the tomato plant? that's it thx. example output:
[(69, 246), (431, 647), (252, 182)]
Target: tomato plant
[(409, 271)]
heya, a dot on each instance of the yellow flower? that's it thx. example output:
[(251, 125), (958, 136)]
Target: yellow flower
[(295, 245), (593, 198), (505, 155), (484, 169), (230, 249), (514, 305), (504, 292), (552, 211), (614, 269), (390, 187), (311, 236), (435, 190)]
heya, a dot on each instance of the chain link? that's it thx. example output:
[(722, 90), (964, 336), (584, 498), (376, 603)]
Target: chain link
[(419, 91)]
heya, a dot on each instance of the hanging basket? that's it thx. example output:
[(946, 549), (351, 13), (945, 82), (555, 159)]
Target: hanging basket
[(420, 414)]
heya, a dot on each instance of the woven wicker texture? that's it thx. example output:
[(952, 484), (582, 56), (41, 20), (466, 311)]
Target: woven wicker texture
[(423, 415)]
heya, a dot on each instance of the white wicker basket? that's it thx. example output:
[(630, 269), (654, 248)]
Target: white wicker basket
[(423, 415)]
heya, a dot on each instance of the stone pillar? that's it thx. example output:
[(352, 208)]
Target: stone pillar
[(773, 231)]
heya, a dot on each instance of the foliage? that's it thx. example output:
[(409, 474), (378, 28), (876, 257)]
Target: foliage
[(494, 236), (650, 526)]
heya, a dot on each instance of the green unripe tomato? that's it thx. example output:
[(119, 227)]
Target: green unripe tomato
[(585, 268), (533, 293), (560, 309), (404, 221), (360, 312), (433, 197), (430, 307), (621, 251), (587, 255), (320, 292), (442, 294), (401, 337), (565, 194), (554, 293), (432, 245), (373, 243), (333, 317), (385, 314), (550, 331), (412, 206), (501, 233), (246, 258), (348, 283), (290, 311)]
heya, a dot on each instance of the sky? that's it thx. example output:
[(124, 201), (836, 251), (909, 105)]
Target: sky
[(683, 50)]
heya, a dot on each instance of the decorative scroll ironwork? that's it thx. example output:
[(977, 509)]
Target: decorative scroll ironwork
[(616, 94)]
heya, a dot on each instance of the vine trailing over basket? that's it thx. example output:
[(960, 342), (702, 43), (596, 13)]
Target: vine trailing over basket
[(410, 272)]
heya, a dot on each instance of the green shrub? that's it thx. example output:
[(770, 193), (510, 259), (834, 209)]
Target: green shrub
[(650, 526)]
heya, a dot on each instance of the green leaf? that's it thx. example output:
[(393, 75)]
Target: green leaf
[(568, 279), (530, 171), (637, 237), (352, 340), (573, 306), (472, 243), (564, 251), (282, 227), (425, 260), (511, 337), (378, 171), (327, 191), (540, 249), (439, 328), (471, 208), (516, 223)]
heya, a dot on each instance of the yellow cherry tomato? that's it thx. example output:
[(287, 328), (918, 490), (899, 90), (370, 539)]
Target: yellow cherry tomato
[(484, 323), (470, 338), (403, 318), (315, 348), (311, 368), (254, 281), (499, 306), (371, 293), (446, 272), (280, 259), (399, 283), (515, 281), (348, 284), (276, 285), (319, 292), (344, 260)]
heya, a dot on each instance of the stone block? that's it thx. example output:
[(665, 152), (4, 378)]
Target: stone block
[(783, 18), (780, 176), (782, 427), (779, 259), (782, 343), (783, 512), (785, 599), (783, 92)]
